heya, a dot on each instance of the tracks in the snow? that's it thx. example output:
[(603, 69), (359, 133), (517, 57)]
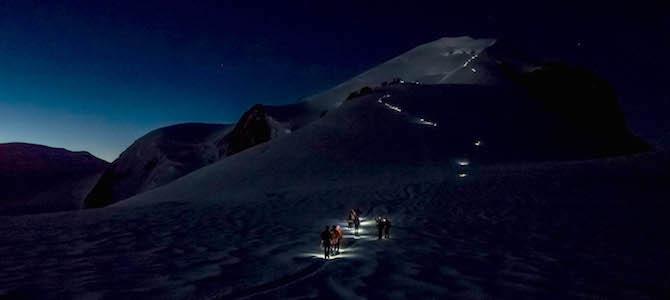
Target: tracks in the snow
[(291, 279), (274, 285)]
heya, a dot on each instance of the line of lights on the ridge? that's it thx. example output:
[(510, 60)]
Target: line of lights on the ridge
[(460, 162), (398, 109)]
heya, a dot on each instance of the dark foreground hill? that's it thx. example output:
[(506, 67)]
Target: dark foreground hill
[(38, 179)]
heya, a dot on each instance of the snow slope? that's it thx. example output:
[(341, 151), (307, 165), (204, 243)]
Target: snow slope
[(447, 60), (368, 135), (430, 63), (38, 179), (168, 153)]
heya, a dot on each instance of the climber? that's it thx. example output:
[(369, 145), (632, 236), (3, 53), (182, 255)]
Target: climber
[(325, 242)]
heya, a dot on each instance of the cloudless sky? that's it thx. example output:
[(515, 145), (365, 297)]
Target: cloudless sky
[(96, 75)]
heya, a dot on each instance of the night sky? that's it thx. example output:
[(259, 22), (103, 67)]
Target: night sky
[(96, 75)]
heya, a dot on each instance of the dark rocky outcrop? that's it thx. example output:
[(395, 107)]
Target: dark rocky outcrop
[(585, 105), (362, 92), (252, 129)]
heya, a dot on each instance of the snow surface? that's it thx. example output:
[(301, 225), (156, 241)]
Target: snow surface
[(515, 232)]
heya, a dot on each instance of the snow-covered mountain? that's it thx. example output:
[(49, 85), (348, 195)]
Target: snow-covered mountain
[(534, 111), (437, 62), (168, 153), (38, 179), (564, 110), (503, 178), (158, 158), (416, 124)]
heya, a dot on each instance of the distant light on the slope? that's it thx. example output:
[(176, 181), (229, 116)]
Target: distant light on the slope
[(402, 81), (461, 175), (383, 97), (426, 122), (393, 107), (416, 82), (467, 62), (473, 70), (463, 162), (478, 143), (388, 105)]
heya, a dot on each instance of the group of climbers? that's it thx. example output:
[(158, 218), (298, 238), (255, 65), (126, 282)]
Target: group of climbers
[(383, 227), (354, 220), (331, 236), (331, 239)]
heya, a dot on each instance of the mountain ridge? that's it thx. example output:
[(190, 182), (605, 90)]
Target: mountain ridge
[(38, 179)]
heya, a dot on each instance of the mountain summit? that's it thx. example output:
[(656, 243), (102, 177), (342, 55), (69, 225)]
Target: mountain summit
[(472, 90), (460, 98)]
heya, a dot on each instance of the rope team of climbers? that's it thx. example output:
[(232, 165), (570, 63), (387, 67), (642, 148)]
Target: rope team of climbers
[(332, 235)]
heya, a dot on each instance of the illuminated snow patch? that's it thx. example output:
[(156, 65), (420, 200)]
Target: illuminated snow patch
[(473, 70), (367, 222), (332, 257), (361, 231), (364, 237), (478, 143), (463, 162), (461, 175)]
